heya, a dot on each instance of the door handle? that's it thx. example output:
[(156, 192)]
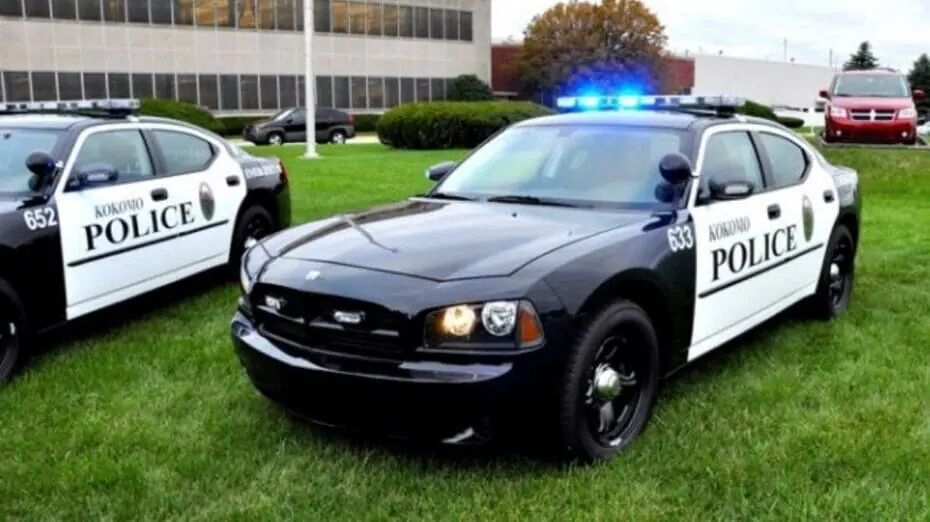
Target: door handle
[(159, 194), (828, 196), (232, 181), (774, 211)]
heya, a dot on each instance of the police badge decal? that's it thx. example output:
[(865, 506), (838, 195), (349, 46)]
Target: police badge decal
[(808, 214), (207, 203)]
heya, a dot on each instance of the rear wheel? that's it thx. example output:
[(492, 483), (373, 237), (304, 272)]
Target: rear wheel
[(610, 383), (276, 138), (254, 224), (835, 285), (338, 137)]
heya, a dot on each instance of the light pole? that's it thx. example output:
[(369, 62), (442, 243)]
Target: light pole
[(309, 81)]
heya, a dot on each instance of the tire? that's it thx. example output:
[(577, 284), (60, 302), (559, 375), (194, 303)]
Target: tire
[(834, 286), (13, 334), (338, 137), (582, 438), (276, 138), (254, 223)]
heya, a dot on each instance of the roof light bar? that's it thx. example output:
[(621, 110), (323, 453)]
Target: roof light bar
[(649, 102), (121, 105)]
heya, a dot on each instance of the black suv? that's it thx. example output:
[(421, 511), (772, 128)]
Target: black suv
[(290, 125)]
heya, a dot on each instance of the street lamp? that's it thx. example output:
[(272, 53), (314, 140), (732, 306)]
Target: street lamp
[(309, 81)]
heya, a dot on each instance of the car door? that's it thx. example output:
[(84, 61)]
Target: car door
[(207, 181), (115, 231), (740, 243), (295, 126), (325, 120)]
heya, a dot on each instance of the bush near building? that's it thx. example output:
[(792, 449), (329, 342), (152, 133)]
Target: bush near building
[(183, 111), (448, 125), (751, 108)]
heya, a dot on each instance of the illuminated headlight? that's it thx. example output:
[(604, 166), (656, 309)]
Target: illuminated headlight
[(253, 260), (513, 324), (836, 112), (906, 114)]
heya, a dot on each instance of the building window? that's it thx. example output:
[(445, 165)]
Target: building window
[(141, 85), (465, 27), (266, 9), (436, 23), (43, 86), (391, 92), (62, 9), (375, 25), (389, 19), (288, 85), (421, 22), (12, 8), (245, 14), (375, 93), (161, 13), (269, 92), (438, 89), (89, 10), (301, 91), (95, 85), (324, 91), (407, 90), (248, 84), (341, 94), (69, 86), (204, 13), (165, 88), (451, 18), (183, 12), (356, 16), (16, 86), (138, 11), (405, 21), (321, 15), (119, 85), (359, 93), (114, 11), (38, 9), (209, 91), (340, 16), (422, 89), (229, 92)]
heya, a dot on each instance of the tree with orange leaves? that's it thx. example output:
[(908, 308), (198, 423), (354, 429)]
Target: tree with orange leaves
[(613, 45)]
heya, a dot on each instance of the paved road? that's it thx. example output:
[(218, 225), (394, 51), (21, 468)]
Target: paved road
[(359, 140)]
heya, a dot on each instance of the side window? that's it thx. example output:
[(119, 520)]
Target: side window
[(124, 150), (731, 156), (789, 163), (299, 116), (183, 153)]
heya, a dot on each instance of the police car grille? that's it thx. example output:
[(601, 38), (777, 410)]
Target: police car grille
[(307, 321)]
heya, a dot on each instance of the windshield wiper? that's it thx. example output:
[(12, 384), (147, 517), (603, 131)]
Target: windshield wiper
[(529, 200), (445, 195)]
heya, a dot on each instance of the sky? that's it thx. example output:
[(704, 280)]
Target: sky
[(805, 30)]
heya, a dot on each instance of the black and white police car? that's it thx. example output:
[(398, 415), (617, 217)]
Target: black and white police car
[(552, 278), (99, 205)]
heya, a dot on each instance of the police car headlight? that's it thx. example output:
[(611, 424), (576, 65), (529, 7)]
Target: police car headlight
[(253, 260), (490, 325)]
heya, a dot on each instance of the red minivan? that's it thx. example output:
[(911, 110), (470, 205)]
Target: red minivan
[(871, 106)]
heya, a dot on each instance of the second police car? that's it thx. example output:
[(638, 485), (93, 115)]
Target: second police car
[(98, 205), (552, 278)]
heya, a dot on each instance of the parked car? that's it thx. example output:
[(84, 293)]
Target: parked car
[(290, 125)]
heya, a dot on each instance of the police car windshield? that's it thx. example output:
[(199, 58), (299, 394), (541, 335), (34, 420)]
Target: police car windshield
[(586, 164), (15, 146), (872, 86)]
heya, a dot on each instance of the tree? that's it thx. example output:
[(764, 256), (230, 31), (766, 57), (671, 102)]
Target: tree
[(919, 78), (862, 59), (613, 45), (468, 87)]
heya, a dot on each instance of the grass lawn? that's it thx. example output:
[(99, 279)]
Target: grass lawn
[(152, 418)]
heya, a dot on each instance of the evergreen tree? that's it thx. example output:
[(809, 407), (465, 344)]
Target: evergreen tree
[(862, 59), (919, 78)]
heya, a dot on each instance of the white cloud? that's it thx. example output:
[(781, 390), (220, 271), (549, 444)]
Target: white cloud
[(759, 28)]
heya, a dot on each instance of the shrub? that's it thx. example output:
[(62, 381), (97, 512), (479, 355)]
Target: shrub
[(468, 87), (791, 123), (366, 122), (183, 111), (234, 125), (751, 108), (444, 125)]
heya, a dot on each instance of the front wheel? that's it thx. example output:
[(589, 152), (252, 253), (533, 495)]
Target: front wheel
[(338, 137), (610, 383), (253, 225), (12, 351)]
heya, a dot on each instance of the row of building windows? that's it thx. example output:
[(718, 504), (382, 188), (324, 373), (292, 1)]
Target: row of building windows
[(361, 17), (223, 92)]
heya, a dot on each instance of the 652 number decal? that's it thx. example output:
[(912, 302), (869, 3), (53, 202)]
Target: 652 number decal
[(37, 219), (680, 238)]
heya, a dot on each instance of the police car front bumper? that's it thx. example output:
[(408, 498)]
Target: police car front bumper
[(451, 402)]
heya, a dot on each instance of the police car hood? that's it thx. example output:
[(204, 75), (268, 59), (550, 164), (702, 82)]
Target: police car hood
[(444, 241)]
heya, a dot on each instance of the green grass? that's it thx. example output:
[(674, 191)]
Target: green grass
[(152, 418)]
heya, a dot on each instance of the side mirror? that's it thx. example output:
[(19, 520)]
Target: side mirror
[(675, 168), (439, 170), (41, 164), (918, 94), (730, 189), (93, 175), (824, 94)]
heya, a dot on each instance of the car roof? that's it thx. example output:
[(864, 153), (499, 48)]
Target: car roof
[(860, 72), (42, 121), (635, 118)]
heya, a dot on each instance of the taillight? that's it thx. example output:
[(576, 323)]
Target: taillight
[(283, 175)]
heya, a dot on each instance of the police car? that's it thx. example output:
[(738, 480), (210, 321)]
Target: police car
[(99, 205), (551, 279)]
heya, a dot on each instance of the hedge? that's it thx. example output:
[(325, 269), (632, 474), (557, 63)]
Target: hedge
[(366, 122), (183, 111), (445, 125), (751, 108), (790, 122)]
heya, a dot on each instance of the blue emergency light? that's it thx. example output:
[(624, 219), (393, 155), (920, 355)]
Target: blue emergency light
[(109, 105), (667, 102)]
